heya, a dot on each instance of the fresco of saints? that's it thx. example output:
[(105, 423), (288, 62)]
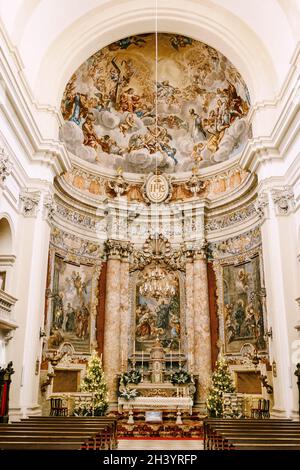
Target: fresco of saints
[(90, 136)]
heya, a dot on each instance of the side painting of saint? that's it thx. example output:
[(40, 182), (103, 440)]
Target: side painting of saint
[(71, 306), (242, 306), (157, 318)]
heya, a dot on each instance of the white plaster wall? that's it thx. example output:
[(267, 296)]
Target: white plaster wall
[(42, 44)]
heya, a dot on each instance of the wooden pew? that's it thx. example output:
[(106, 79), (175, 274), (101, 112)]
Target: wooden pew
[(249, 433), (101, 435), (79, 419), (74, 433)]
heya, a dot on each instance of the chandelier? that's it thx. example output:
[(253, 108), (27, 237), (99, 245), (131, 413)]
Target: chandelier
[(157, 284)]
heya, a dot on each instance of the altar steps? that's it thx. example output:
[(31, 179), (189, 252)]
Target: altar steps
[(191, 427)]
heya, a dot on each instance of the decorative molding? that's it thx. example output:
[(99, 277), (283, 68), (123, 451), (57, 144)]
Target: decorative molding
[(230, 219), (72, 247), (235, 246), (196, 185), (283, 199), (261, 205), (50, 207), (7, 302), (76, 218), (157, 249), (5, 166), (119, 185), (297, 326), (29, 201)]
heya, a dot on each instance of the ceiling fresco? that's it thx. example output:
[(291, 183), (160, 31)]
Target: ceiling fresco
[(189, 110)]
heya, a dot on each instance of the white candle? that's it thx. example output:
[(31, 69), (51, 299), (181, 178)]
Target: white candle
[(179, 355), (142, 360), (171, 361)]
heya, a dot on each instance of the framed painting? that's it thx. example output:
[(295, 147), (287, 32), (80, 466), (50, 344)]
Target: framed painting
[(71, 305), (242, 305)]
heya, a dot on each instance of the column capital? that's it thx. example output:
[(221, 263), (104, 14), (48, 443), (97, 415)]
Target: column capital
[(116, 249), (29, 202), (283, 199), (197, 251)]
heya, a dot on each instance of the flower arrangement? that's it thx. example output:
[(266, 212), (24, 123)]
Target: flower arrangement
[(131, 377), (128, 393), (181, 377)]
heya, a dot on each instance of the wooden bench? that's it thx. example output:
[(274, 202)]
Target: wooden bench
[(65, 433), (248, 434)]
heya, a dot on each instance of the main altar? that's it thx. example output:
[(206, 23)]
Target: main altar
[(156, 381)]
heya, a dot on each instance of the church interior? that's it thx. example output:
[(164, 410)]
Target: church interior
[(150, 224)]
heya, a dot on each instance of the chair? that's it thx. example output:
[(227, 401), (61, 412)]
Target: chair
[(57, 408), (262, 410), (265, 411), (256, 411)]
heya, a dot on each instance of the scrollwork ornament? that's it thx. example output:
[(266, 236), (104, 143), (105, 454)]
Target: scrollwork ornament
[(261, 205), (119, 186), (5, 166), (49, 207), (195, 185)]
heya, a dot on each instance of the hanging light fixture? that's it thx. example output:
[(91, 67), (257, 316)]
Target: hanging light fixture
[(156, 283)]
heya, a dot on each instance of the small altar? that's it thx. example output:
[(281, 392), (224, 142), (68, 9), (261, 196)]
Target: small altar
[(154, 387), (178, 404)]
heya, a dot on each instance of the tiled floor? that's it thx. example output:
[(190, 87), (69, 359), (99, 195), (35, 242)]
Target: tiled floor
[(153, 444)]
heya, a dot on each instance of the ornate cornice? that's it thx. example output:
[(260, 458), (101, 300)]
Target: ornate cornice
[(76, 217), (68, 244), (232, 218), (235, 246)]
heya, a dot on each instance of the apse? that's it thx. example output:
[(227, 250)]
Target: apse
[(149, 102)]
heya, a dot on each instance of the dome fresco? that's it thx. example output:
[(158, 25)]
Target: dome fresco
[(123, 110)]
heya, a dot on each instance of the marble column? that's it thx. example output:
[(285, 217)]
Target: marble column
[(189, 288), (124, 309), (111, 351), (202, 340)]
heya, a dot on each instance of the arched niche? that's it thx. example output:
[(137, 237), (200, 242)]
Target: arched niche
[(7, 257), (5, 237)]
